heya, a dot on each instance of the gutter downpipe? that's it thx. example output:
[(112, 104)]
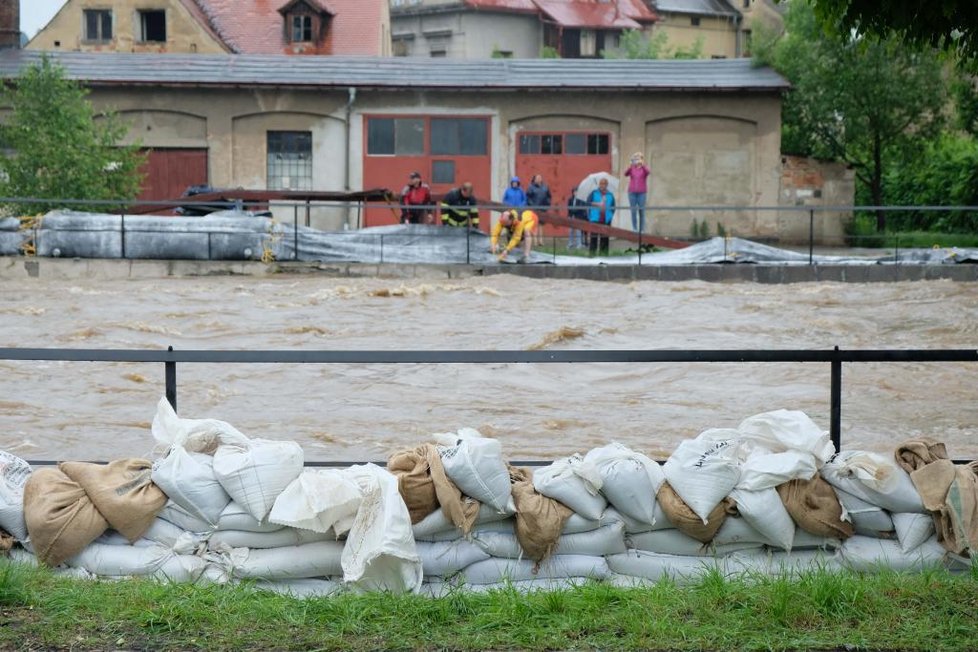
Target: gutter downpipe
[(351, 97)]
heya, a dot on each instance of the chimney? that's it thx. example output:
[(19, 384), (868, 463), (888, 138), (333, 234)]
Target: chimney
[(9, 24)]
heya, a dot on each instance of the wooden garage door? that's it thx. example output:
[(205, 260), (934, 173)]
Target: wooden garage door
[(169, 172), (563, 158)]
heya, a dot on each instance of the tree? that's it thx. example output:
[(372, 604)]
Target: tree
[(56, 147), (634, 44), (864, 101), (945, 24)]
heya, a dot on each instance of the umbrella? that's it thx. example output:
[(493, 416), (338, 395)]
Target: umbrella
[(590, 183)]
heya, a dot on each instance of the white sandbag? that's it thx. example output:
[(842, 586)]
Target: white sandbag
[(875, 478), (319, 559), (782, 563), (13, 476), (256, 473), (380, 552), (573, 482), (194, 435), (787, 430), (178, 516), (317, 500), (436, 526), (912, 529), (655, 566), (632, 525), (446, 558), (236, 517), (437, 589), (861, 553), (224, 540), (496, 570), (160, 533), (768, 470), (674, 542), (18, 555), (867, 519), (158, 561), (738, 531), (702, 471), (765, 511), (476, 466), (629, 480), (805, 540), (188, 480), (605, 540), (301, 588)]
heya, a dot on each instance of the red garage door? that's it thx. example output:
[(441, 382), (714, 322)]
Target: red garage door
[(563, 158), (169, 172), (446, 150)]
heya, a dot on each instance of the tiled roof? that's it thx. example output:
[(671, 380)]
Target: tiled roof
[(256, 27), (575, 13), (701, 7), (214, 70), (524, 6)]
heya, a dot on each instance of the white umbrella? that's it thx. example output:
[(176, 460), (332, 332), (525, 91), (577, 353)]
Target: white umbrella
[(590, 183)]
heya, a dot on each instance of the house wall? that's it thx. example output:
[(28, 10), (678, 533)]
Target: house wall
[(811, 183), (467, 35), (704, 148), (720, 35), (66, 32)]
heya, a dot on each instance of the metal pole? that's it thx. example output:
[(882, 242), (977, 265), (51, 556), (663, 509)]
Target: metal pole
[(640, 245), (835, 419), (171, 381), (295, 231), (122, 232), (468, 234), (381, 248), (811, 236)]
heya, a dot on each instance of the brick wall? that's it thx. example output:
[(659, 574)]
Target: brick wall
[(807, 182), (9, 24)]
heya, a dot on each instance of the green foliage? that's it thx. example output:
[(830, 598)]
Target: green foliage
[(699, 230), (58, 148), (964, 90), (721, 230), (499, 54), (548, 52), (635, 44), (868, 102)]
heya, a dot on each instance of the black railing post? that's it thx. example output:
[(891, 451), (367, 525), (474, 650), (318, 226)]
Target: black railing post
[(640, 243), (381, 248), (811, 236), (171, 381), (122, 233), (468, 238), (835, 418), (295, 232)]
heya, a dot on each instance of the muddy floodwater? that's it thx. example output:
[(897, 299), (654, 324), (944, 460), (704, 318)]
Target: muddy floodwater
[(102, 411)]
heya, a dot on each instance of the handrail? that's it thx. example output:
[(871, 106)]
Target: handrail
[(170, 357)]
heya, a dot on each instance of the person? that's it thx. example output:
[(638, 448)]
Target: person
[(538, 198), (514, 195), (602, 211), (638, 190), (576, 210), (519, 228), (458, 207), (416, 201)]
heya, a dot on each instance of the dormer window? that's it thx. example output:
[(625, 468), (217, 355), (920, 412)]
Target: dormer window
[(301, 28)]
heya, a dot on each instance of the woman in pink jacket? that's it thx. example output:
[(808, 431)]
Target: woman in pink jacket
[(638, 190)]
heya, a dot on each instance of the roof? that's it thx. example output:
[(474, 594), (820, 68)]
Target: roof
[(255, 26), (322, 72), (700, 7), (623, 14)]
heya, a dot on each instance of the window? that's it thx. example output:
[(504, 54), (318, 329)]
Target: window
[(572, 143), (98, 25), (152, 26), (466, 136), (301, 29), (395, 136), (695, 21), (289, 160), (551, 144)]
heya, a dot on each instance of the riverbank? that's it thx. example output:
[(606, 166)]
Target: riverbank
[(24, 268)]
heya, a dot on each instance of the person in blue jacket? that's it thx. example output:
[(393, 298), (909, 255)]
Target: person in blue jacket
[(602, 211), (514, 196)]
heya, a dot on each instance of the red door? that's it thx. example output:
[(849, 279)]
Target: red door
[(169, 172), (563, 158), (446, 150)]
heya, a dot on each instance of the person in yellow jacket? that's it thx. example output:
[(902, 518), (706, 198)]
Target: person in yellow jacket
[(519, 227)]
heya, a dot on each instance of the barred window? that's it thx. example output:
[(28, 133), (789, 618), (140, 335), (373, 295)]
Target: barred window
[(289, 160)]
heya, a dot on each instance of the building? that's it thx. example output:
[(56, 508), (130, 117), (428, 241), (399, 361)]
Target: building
[(293, 27)]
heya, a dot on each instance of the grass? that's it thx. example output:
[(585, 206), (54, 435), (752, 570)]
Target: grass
[(820, 610)]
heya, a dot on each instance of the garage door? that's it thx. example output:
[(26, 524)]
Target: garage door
[(169, 172)]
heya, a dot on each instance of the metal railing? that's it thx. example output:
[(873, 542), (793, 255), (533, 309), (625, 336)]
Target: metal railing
[(833, 357)]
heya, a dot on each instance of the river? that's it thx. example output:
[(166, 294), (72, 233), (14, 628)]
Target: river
[(103, 411)]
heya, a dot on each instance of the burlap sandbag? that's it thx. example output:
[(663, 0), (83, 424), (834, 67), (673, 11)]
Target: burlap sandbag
[(949, 491), (122, 490), (686, 520), (814, 507), (60, 517), (539, 520), (424, 486), (6, 541)]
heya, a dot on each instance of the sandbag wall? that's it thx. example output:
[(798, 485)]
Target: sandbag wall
[(770, 496)]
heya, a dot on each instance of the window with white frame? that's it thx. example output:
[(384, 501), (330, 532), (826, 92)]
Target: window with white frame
[(289, 160)]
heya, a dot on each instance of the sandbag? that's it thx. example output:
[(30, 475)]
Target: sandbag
[(629, 480), (320, 500), (122, 490), (414, 482), (437, 526), (573, 482), (494, 569), (287, 537), (681, 515), (188, 480), (178, 516), (815, 507), (255, 473), (301, 588), (236, 517), (912, 530), (606, 540), (446, 558), (539, 519), (876, 479), (157, 561), (656, 566), (475, 464), (13, 476), (194, 435), (318, 559), (867, 519), (788, 430), (764, 511), (61, 519), (702, 471), (868, 554)]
